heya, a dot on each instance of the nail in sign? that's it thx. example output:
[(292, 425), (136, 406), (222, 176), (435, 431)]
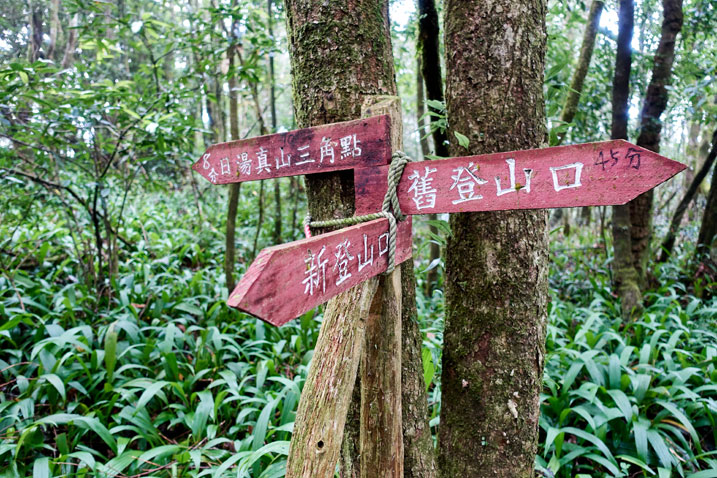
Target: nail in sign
[(592, 174), (288, 280), (360, 143)]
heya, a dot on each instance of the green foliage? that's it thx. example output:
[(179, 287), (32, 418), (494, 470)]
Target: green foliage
[(160, 377), (625, 399)]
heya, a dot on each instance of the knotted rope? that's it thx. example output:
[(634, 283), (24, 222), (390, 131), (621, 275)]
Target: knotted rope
[(399, 160)]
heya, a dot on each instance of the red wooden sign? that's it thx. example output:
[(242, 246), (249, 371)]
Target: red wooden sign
[(359, 143), (287, 280), (592, 174)]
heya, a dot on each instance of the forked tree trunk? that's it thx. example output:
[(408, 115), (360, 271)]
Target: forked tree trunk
[(669, 242), (624, 274), (650, 129), (708, 229), (341, 53), (496, 263)]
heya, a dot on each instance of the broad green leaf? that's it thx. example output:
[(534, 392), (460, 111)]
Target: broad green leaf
[(462, 139), (110, 351)]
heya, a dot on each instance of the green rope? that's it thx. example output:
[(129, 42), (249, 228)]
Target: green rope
[(399, 161)]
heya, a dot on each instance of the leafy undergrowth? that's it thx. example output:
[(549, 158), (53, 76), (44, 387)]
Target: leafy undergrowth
[(628, 399), (157, 377)]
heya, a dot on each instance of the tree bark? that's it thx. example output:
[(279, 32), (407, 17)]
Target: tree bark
[(429, 51), (272, 104), (434, 251), (341, 53), (35, 45), (496, 263), (650, 129), (55, 28), (581, 70), (234, 188), (624, 273), (669, 242), (708, 229)]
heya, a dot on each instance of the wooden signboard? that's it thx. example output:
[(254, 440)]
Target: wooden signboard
[(592, 174), (287, 280), (360, 143)]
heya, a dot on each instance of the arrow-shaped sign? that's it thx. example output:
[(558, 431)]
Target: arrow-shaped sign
[(359, 143), (591, 174), (287, 280)]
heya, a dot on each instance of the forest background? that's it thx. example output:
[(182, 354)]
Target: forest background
[(118, 354)]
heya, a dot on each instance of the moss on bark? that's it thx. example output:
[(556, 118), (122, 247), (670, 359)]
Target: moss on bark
[(340, 54), (496, 263)]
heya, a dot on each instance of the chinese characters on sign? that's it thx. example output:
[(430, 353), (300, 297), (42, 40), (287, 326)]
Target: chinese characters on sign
[(611, 172), (361, 143), (287, 280)]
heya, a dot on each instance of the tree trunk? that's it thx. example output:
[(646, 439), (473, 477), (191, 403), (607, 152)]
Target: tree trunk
[(434, 248), (576, 84), (650, 129), (324, 38), (272, 104), (624, 274), (581, 70), (55, 28), (428, 50), (260, 219), (669, 243), (35, 44), (69, 57), (708, 229), (234, 188), (496, 263)]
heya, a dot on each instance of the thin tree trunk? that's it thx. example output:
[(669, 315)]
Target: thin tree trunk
[(576, 84), (496, 263), (650, 129), (324, 38), (55, 28), (423, 131), (234, 188), (35, 44), (624, 273), (581, 70), (294, 188), (260, 219), (708, 229), (669, 242), (428, 48), (69, 57), (272, 104), (434, 249)]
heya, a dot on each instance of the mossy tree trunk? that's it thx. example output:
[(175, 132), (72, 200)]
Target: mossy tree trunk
[(496, 263), (624, 274), (340, 54), (650, 128)]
